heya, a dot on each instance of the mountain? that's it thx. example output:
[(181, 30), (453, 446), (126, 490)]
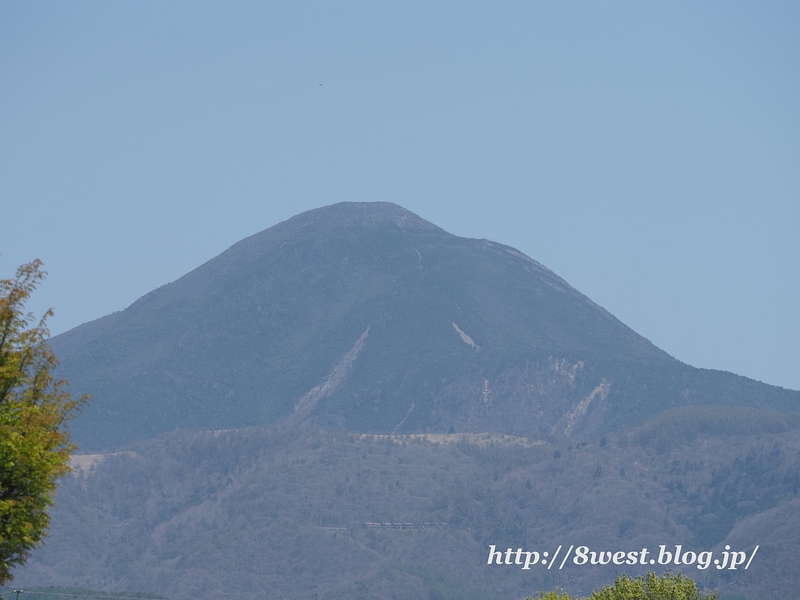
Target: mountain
[(365, 317), (356, 404)]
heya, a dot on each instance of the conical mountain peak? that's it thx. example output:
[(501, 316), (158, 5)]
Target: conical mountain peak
[(364, 316), (354, 213)]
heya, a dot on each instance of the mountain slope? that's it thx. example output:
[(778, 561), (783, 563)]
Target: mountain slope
[(297, 512), (368, 318)]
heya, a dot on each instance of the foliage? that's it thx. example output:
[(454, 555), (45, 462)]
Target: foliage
[(652, 587), (551, 596), (34, 407), (667, 587)]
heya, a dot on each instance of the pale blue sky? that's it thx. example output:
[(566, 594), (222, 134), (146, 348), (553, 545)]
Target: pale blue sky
[(649, 153)]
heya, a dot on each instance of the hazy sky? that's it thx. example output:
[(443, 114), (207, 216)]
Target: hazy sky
[(648, 153)]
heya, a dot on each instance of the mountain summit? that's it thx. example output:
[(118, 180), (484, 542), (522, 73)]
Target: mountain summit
[(363, 316)]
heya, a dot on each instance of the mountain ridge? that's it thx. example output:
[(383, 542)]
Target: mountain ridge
[(454, 333)]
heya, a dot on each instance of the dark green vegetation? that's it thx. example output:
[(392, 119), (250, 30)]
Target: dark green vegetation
[(361, 367), (281, 513), (367, 318), (670, 586), (34, 408)]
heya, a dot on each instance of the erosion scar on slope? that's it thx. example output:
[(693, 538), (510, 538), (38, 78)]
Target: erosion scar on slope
[(408, 414), (465, 338), (337, 375), (580, 410)]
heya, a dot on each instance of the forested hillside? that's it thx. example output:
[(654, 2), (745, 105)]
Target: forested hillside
[(309, 513)]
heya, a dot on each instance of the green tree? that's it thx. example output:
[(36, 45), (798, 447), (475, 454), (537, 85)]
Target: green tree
[(35, 445), (652, 587), (552, 596)]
